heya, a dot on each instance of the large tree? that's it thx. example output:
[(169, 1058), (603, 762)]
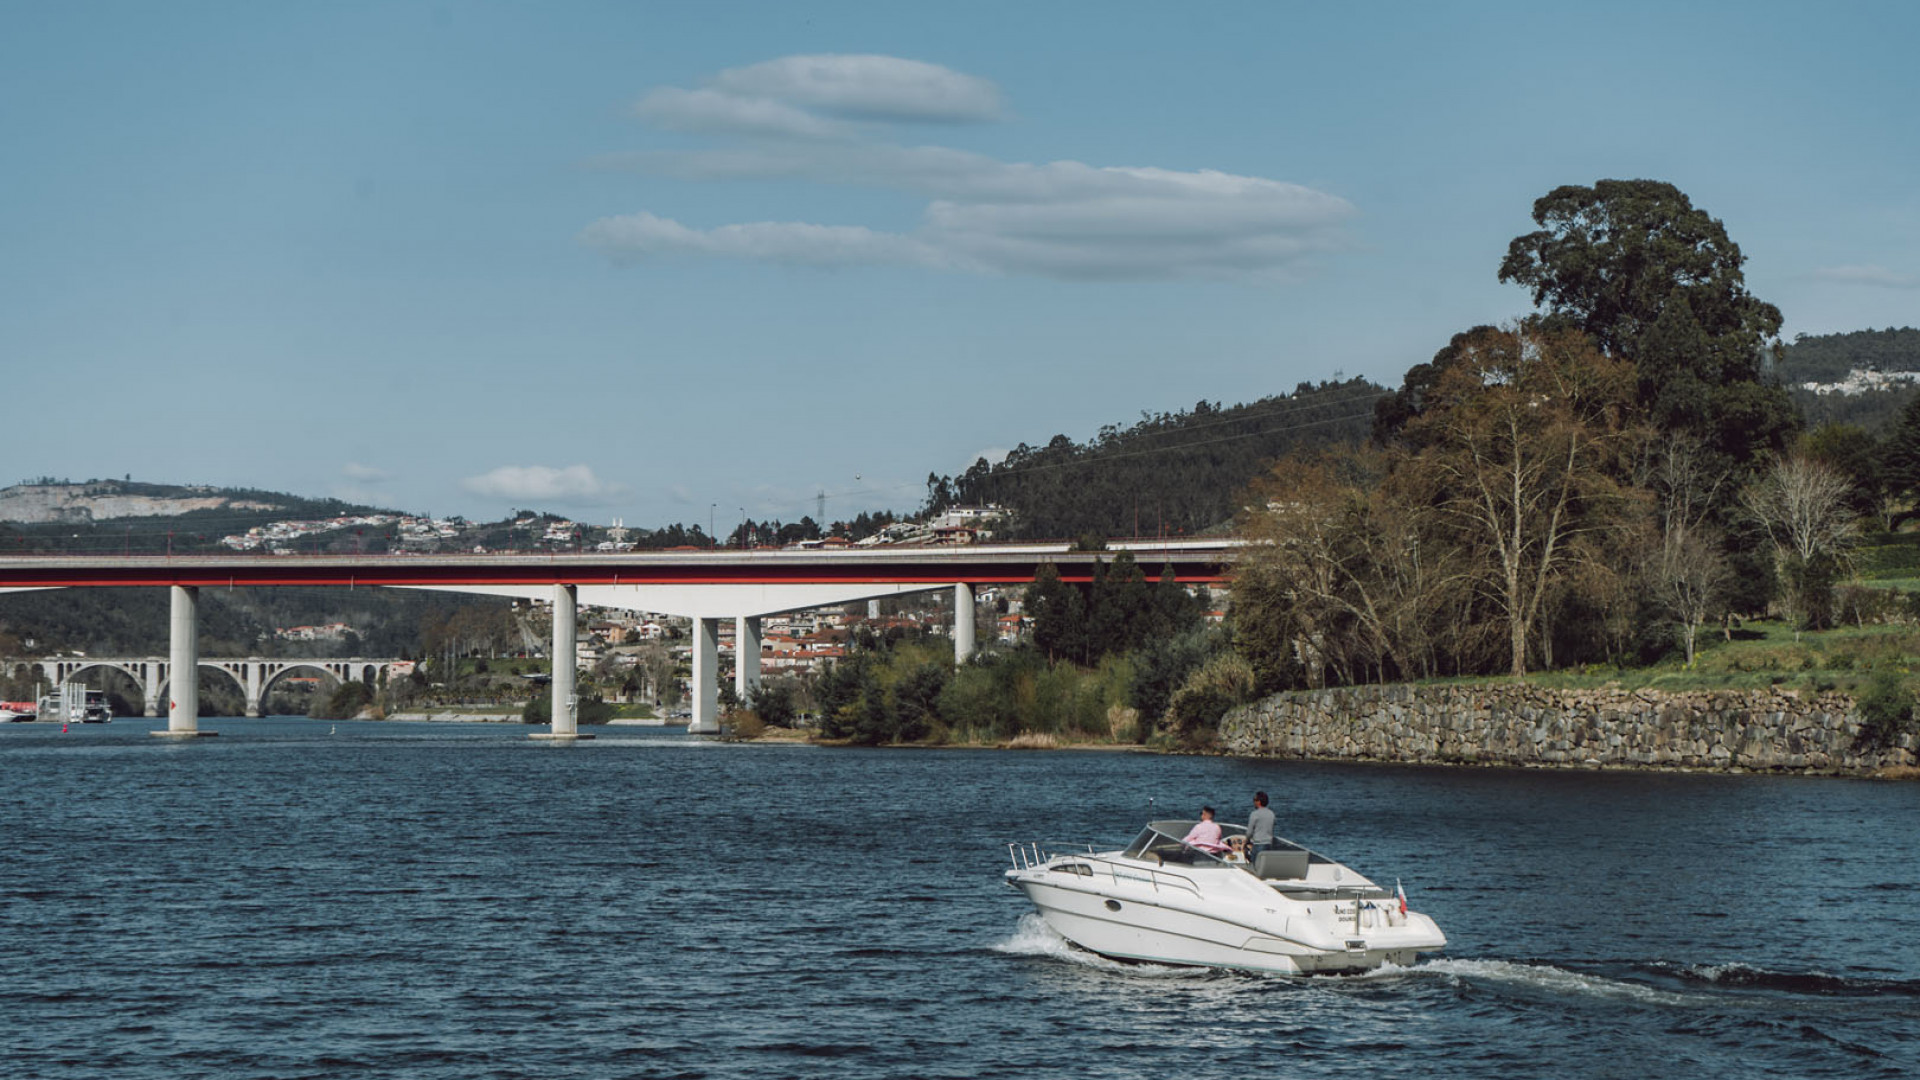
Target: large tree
[(1344, 570), (1524, 441), (1655, 280)]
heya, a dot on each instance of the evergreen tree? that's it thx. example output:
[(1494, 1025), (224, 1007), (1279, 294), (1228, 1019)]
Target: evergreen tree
[(1059, 616), (1655, 280)]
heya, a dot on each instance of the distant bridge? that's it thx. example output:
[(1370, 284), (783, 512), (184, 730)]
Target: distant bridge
[(705, 586), (254, 675)]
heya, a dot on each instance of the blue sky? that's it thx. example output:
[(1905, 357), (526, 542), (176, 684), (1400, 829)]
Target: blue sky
[(658, 262)]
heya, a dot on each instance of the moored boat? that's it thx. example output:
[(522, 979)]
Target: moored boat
[(1287, 911), (75, 705)]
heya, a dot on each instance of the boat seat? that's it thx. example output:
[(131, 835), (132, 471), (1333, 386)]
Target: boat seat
[(1280, 865)]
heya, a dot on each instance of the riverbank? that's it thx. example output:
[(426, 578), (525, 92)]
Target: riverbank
[(1519, 724), (455, 716)]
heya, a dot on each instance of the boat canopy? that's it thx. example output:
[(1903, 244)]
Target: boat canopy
[(1166, 839)]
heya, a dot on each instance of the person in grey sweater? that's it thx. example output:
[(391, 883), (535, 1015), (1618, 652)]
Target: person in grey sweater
[(1259, 826)]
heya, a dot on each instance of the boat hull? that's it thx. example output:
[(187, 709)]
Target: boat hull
[(1176, 930)]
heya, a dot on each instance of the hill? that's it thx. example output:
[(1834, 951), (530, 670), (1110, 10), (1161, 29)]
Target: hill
[(1168, 474), (1831, 358), (64, 502)]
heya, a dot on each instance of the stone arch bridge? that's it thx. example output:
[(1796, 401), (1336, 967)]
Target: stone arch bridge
[(255, 676)]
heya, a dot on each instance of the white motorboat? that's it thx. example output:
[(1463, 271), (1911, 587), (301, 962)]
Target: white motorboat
[(18, 712), (1288, 911)]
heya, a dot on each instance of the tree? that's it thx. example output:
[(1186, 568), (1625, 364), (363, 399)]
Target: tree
[(1523, 440), (1802, 504), (775, 703), (1059, 615), (1348, 568), (1311, 566), (1687, 579), (657, 664), (1856, 454), (1655, 280), (1901, 456), (1121, 613)]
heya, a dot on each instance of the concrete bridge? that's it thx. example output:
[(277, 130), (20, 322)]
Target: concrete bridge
[(704, 586), (254, 675)]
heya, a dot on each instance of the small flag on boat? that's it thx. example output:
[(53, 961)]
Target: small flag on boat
[(1398, 888)]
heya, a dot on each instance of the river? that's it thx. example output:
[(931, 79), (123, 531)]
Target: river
[(457, 901)]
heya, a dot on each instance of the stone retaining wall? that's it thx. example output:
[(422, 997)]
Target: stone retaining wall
[(1517, 724)]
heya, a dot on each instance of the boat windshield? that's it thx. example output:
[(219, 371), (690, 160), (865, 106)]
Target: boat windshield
[(1164, 840)]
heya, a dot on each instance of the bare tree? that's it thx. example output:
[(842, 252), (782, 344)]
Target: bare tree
[(1521, 439), (657, 664), (1340, 569), (1802, 503), (1687, 577)]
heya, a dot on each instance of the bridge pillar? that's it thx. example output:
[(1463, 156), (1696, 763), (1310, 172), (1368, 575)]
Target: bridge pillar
[(183, 665), (566, 639), (150, 677), (962, 622), (746, 656), (255, 684), (706, 677)]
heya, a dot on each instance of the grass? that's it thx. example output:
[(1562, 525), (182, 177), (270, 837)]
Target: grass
[(1900, 584), (1762, 654)]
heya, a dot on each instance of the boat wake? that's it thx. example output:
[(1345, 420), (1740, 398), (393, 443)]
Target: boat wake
[(1688, 985), (1545, 980), (1747, 977), (1033, 937)]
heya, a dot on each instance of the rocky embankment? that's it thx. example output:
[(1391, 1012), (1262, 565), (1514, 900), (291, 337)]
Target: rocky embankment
[(1516, 724)]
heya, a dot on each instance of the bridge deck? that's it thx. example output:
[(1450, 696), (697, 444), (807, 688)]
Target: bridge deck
[(1193, 562)]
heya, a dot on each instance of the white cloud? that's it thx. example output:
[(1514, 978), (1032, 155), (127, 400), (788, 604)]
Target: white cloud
[(540, 483), (365, 474), (866, 86), (1868, 275), (640, 235), (1060, 219), (710, 110)]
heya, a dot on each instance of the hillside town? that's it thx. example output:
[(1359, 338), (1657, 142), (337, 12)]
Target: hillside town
[(428, 535), (1865, 381)]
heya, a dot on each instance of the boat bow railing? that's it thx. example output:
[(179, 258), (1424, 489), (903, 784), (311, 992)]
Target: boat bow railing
[(1032, 857)]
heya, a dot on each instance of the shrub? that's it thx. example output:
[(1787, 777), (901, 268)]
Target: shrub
[(345, 703), (745, 724), (539, 710), (1216, 686), (774, 704), (1886, 710)]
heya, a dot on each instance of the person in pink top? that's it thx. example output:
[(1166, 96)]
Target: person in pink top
[(1205, 833)]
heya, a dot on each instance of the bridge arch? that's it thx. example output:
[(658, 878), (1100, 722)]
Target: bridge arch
[(59, 672), (62, 671), (279, 671), (239, 677)]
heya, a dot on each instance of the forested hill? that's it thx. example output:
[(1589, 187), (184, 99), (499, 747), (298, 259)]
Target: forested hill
[(1829, 357), (1169, 474)]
